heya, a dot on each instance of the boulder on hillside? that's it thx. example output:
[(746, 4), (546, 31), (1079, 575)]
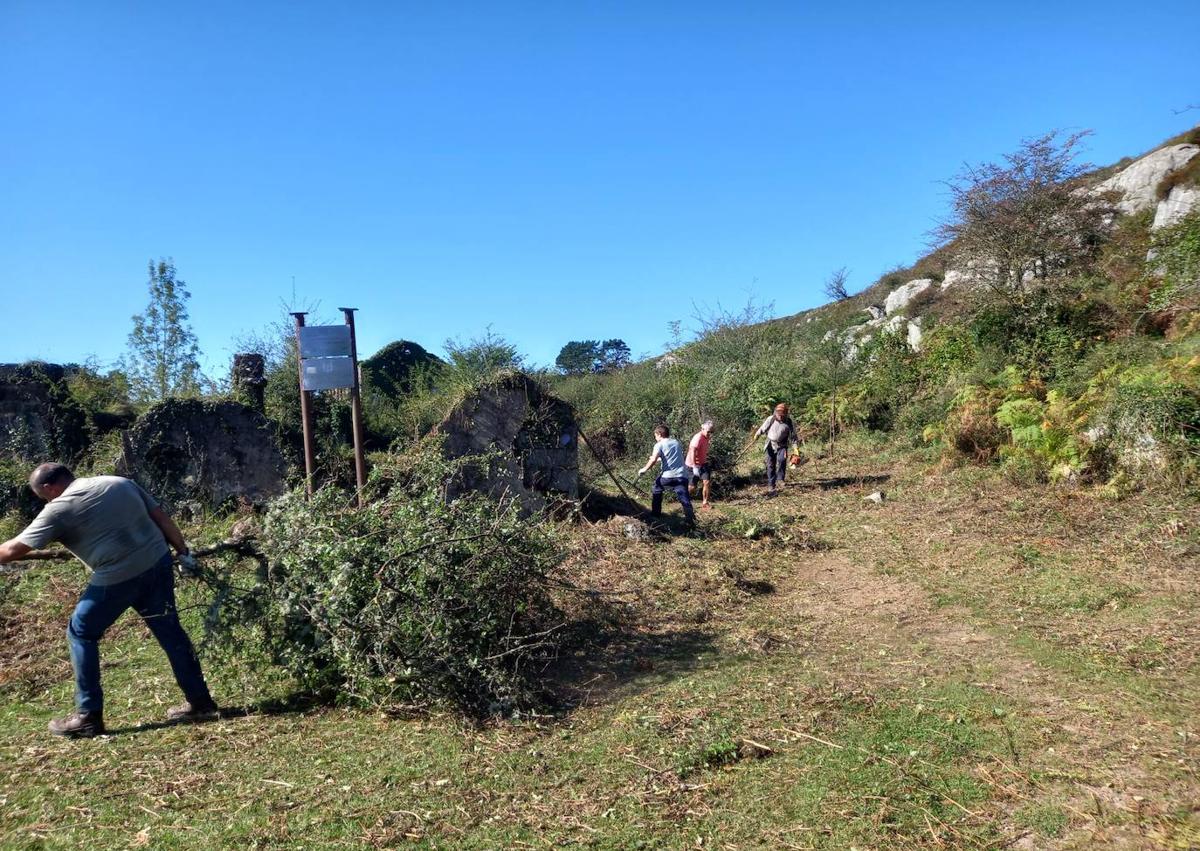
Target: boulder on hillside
[(1180, 201), (188, 453), (856, 337), (535, 434), (1137, 183), (955, 277), (915, 334), (899, 298)]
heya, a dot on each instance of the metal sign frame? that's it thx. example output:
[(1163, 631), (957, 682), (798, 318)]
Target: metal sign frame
[(328, 359)]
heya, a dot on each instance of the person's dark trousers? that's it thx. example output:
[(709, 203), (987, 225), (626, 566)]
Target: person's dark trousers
[(680, 486), (776, 466), (151, 595)]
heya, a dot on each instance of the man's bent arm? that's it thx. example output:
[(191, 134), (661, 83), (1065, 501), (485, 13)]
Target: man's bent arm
[(13, 550), (170, 531)]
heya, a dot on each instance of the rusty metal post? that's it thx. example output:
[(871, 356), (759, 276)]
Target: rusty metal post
[(360, 464), (305, 412)]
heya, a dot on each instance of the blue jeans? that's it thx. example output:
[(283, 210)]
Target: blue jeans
[(151, 595), (680, 486)]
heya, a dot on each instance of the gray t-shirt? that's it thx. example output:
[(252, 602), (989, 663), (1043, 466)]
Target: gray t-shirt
[(105, 522), (671, 453), (779, 432)]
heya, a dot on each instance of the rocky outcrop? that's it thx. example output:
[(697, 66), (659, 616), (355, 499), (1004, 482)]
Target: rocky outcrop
[(534, 436), (956, 278), (1140, 185), (900, 297), (1136, 185), (915, 334), (856, 337), (1180, 201), (195, 455)]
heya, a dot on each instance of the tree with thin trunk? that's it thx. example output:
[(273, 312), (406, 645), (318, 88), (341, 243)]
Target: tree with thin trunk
[(163, 357), (833, 364), (1022, 223), (835, 285)]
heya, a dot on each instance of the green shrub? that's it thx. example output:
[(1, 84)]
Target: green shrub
[(1148, 417), (887, 383), (1175, 263), (735, 372), (1047, 335), (971, 427), (1044, 444), (410, 599)]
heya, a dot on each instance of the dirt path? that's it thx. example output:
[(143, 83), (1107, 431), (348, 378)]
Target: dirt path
[(1115, 765)]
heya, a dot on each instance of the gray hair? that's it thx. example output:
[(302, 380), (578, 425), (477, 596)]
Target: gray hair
[(708, 424), (51, 473)]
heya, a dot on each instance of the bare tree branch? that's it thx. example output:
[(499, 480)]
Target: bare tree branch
[(1023, 222), (835, 285)]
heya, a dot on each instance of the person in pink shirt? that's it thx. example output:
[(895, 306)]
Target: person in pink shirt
[(697, 461)]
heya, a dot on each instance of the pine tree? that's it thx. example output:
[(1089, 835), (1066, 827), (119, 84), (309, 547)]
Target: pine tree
[(163, 358)]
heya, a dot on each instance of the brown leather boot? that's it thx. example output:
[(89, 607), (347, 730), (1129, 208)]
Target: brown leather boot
[(78, 725), (189, 711)]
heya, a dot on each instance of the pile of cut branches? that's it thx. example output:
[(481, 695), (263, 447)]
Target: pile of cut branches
[(412, 599)]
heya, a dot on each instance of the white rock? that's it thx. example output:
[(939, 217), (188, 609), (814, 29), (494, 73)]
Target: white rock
[(1178, 203), (899, 298), (875, 311), (895, 324), (1138, 182), (667, 361), (636, 530), (1144, 451), (876, 497), (914, 334), (954, 277)]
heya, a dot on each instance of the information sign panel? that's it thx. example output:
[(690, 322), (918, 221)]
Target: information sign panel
[(327, 373), (325, 341)]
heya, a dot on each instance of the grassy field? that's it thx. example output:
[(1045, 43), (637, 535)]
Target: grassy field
[(970, 664)]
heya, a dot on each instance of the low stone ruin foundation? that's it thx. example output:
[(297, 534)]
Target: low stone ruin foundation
[(535, 434), (199, 455)]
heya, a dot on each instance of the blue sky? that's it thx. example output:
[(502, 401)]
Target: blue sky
[(555, 171)]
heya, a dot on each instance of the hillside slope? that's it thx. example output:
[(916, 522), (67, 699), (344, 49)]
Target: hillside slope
[(1082, 367)]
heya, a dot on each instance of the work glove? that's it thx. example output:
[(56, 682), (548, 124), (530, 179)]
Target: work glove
[(188, 566), (637, 475)]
